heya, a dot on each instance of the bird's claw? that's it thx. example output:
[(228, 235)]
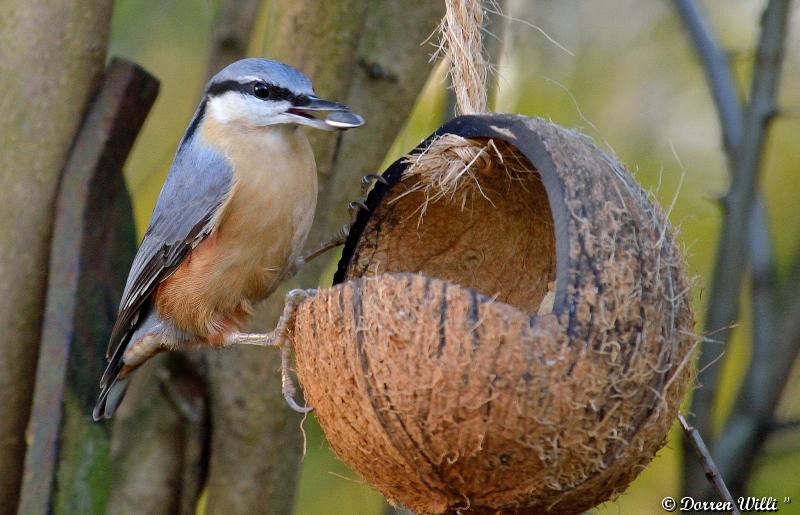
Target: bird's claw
[(355, 205), (295, 406), (366, 183), (367, 180), (298, 295)]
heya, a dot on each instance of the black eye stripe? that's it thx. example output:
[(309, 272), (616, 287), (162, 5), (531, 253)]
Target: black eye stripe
[(276, 93), (219, 88)]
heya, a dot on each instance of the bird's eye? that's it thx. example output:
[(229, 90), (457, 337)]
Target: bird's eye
[(261, 90)]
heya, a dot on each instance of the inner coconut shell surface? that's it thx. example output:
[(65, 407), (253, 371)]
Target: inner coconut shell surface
[(471, 211), (515, 339)]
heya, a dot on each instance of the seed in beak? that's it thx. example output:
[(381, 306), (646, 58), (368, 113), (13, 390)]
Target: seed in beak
[(344, 120)]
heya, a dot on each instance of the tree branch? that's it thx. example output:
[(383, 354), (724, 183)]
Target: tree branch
[(68, 451), (722, 310), (171, 427), (744, 434), (707, 463), (352, 53), (384, 99), (781, 426), (155, 442), (750, 422), (745, 226), (254, 437), (718, 72), (723, 89)]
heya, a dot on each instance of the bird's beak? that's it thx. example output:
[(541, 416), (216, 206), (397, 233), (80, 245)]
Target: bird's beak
[(339, 115), (318, 104)]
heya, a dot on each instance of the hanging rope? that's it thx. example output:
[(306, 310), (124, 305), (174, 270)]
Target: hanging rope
[(462, 44)]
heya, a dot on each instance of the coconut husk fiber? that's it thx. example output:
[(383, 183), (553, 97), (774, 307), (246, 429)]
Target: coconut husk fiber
[(510, 326)]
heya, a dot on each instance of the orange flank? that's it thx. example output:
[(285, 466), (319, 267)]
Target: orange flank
[(195, 301)]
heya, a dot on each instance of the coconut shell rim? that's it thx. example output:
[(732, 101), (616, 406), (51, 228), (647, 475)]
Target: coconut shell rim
[(510, 128)]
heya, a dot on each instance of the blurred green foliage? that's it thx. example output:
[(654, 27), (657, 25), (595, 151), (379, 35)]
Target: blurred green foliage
[(633, 84)]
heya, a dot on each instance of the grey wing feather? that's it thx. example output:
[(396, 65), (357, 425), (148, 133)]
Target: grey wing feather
[(198, 183)]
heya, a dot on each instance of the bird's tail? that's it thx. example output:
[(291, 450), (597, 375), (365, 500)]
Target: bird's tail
[(112, 385), (110, 397), (139, 347)]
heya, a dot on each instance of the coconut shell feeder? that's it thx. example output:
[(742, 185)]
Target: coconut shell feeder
[(509, 327)]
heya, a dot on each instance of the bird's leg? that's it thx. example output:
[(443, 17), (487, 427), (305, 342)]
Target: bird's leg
[(279, 338), (336, 240), (340, 237)]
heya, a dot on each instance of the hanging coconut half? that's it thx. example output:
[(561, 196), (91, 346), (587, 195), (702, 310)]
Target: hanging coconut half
[(509, 329)]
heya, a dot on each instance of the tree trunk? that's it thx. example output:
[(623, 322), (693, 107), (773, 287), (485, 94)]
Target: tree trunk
[(232, 31), (160, 436), (256, 439), (158, 454), (67, 455), (351, 51), (390, 75), (51, 56)]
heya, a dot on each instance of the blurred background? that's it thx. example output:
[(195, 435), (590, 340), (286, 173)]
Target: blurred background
[(625, 73)]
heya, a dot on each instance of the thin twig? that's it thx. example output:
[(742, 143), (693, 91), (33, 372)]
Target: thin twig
[(781, 426), (712, 473)]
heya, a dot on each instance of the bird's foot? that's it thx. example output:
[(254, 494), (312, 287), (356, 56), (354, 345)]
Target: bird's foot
[(279, 337), (361, 204), (293, 299), (340, 237), (288, 387)]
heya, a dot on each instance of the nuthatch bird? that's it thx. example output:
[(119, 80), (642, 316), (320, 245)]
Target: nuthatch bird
[(229, 224)]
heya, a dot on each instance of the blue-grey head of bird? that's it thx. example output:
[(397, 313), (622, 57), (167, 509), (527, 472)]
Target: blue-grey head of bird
[(261, 92)]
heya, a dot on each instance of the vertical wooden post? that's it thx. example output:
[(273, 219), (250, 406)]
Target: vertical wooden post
[(93, 244), (52, 55)]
